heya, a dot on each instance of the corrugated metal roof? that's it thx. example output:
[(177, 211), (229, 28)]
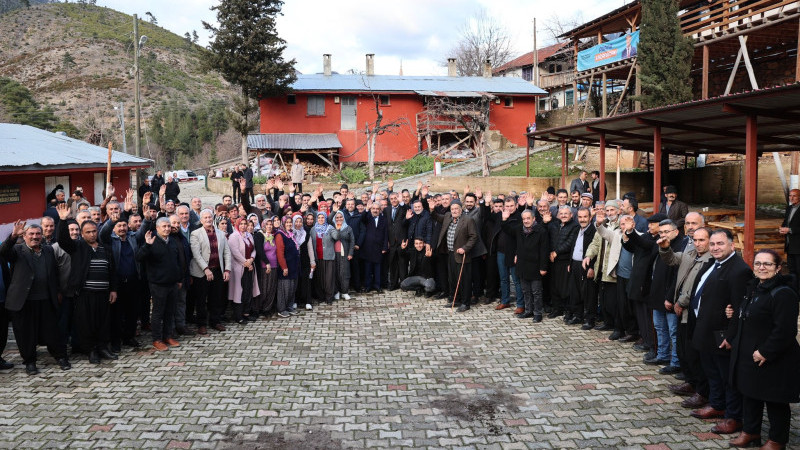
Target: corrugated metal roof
[(454, 94), (397, 83), (292, 141), (23, 147)]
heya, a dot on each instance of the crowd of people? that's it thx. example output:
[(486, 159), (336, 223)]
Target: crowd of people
[(95, 277)]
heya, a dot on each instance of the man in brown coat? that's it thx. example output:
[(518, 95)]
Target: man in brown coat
[(456, 238)]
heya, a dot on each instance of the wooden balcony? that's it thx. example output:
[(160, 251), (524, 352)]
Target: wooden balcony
[(725, 18), (547, 81)]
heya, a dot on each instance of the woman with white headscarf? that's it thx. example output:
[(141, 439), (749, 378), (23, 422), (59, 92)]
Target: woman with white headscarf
[(321, 256), (342, 235)]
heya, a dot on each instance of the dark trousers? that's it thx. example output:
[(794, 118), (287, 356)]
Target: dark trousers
[(209, 301), (36, 322), (454, 269), (477, 277), (325, 274), (793, 260), (92, 319), (397, 267), (624, 322), (442, 276), (236, 192), (608, 303), (65, 323), (144, 306), (779, 414), (722, 396), (355, 271), (303, 291), (559, 285), (492, 277), (644, 322), (582, 296), (243, 307), (372, 275), (690, 361), (124, 311), (249, 193), (4, 321), (298, 187), (165, 297)]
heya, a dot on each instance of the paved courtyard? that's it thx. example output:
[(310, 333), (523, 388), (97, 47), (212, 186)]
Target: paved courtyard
[(387, 371)]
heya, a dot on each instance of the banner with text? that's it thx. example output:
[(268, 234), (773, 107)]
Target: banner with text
[(623, 47)]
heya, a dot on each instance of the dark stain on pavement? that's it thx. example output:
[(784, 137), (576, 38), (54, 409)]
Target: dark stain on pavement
[(489, 410), (311, 440)]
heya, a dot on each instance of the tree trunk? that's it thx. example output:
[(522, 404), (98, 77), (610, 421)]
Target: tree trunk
[(245, 121), (371, 154), (480, 148)]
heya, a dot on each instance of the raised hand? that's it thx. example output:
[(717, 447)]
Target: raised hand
[(149, 237), (19, 227), (489, 196), (63, 211), (409, 214), (390, 184), (505, 215), (162, 190), (146, 197), (280, 184), (242, 185), (404, 244), (110, 190), (424, 192)]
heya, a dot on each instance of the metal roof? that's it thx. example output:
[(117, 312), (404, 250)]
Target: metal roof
[(292, 141), (454, 94), (398, 83), (715, 125), (26, 148)]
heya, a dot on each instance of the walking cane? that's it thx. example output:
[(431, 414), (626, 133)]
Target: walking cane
[(458, 283)]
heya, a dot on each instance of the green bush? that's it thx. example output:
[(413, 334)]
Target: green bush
[(417, 165), (353, 175)]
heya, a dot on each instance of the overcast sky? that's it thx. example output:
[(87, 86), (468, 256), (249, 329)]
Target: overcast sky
[(418, 32)]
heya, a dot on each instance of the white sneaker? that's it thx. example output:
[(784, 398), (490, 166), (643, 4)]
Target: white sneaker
[(336, 297), (346, 296), (308, 306)]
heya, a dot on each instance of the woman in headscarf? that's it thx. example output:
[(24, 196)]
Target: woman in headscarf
[(243, 283), (221, 223), (302, 229), (321, 256), (289, 267), (342, 235), (268, 273)]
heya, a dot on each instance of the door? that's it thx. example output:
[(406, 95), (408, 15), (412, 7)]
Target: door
[(348, 112), (51, 182), (99, 187)]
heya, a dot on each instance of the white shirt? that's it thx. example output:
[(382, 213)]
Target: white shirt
[(705, 277)]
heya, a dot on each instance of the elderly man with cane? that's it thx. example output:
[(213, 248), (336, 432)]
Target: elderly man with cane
[(456, 238)]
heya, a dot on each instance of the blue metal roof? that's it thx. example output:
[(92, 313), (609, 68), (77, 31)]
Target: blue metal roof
[(292, 141), (24, 147), (397, 83)]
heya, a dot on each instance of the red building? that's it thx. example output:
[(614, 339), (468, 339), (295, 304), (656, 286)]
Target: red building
[(34, 161), (331, 103)]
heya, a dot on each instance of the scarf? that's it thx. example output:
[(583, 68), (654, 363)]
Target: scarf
[(283, 231), (256, 225), (323, 228), (344, 220), (299, 232)]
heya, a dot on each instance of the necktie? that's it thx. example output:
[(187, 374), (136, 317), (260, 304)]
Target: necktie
[(394, 211), (695, 302)]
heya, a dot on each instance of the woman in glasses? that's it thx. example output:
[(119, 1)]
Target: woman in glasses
[(765, 355)]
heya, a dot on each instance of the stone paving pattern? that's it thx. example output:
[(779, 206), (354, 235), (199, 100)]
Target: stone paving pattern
[(377, 371)]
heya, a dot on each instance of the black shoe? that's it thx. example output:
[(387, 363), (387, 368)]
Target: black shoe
[(5, 365), (31, 369), (430, 294), (448, 305), (116, 348), (419, 293), (553, 314), (442, 295), (680, 376), (105, 354), (488, 301), (603, 327), (94, 357), (641, 347), (587, 326), (379, 291), (64, 364), (463, 308), (651, 354), (567, 318), (526, 315), (669, 370), (537, 319), (132, 343), (615, 336), (629, 338), (656, 362), (575, 321)]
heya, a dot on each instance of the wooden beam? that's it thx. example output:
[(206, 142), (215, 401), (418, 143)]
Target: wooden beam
[(637, 105), (602, 167), (676, 142), (624, 89), (733, 72), (656, 169), (750, 187), (563, 164), (605, 95), (747, 64), (704, 94), (797, 58), (714, 131), (528, 157)]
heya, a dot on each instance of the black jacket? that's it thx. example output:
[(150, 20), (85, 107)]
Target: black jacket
[(420, 226), (172, 191), (19, 278), (644, 250), (163, 261), (80, 253), (397, 227), (562, 239), (419, 264), (532, 250), (792, 246)]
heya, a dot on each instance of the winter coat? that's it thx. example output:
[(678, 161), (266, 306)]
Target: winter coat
[(375, 239), (236, 243), (532, 250)]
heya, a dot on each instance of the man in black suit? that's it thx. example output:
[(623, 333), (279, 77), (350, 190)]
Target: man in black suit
[(721, 282), (582, 294), (247, 175), (791, 229), (396, 264), (32, 296)]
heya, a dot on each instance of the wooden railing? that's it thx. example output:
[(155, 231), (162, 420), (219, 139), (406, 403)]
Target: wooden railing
[(729, 16), (556, 79)]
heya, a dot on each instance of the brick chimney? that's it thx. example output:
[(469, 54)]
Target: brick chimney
[(451, 67), (326, 64), (370, 64), (487, 68)]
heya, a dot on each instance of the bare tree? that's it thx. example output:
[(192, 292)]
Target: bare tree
[(472, 115), (556, 25), (481, 38)]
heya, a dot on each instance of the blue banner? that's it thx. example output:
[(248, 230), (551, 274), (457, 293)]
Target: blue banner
[(623, 47)]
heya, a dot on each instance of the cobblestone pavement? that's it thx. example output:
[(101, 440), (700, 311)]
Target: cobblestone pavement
[(375, 371)]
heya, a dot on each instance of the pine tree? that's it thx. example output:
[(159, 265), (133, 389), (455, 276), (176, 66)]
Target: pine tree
[(665, 55), (248, 52)]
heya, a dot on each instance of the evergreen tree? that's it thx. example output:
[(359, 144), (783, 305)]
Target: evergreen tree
[(248, 52), (665, 55)]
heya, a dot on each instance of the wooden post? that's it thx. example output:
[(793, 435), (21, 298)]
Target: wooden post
[(797, 57), (704, 94), (531, 143), (563, 164), (750, 187), (637, 105), (108, 167), (605, 94), (618, 174), (575, 95), (602, 166), (656, 169)]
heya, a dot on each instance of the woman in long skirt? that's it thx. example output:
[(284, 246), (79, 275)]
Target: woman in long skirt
[(268, 283), (321, 255), (242, 285), (342, 235), (289, 267)]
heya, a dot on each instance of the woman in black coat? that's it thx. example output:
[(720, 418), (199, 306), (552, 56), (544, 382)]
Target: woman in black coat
[(765, 355)]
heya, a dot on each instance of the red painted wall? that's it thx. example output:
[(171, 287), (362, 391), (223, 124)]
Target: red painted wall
[(277, 116)]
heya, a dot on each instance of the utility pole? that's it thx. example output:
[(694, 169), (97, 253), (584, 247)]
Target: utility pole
[(121, 109), (535, 56), (137, 111)]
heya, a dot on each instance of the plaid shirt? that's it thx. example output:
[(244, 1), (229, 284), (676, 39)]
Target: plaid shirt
[(451, 234)]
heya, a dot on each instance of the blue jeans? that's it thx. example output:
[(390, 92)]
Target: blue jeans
[(505, 294), (666, 325)]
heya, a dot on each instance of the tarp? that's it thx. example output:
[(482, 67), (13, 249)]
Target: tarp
[(623, 47)]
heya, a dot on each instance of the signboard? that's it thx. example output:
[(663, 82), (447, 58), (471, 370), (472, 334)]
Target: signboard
[(9, 193), (621, 48)]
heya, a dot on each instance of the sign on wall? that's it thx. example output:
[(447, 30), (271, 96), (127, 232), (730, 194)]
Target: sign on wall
[(9, 193), (618, 49)]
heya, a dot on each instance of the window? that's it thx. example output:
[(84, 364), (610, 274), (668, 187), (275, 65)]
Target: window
[(542, 104), (570, 97), (385, 100), (552, 68), (316, 105), (527, 73), (508, 102), (291, 99), (558, 68)]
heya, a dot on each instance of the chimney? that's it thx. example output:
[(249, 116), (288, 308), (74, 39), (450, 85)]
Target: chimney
[(487, 69), (370, 64), (326, 64), (451, 67)]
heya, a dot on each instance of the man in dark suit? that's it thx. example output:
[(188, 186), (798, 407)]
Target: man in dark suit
[(247, 175), (32, 296), (791, 229), (580, 184), (721, 282), (629, 51), (373, 244), (582, 295), (396, 264), (456, 238)]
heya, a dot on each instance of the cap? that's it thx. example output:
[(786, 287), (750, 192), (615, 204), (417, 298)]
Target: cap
[(456, 202), (671, 190), (613, 204), (587, 195), (551, 190), (657, 217)]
